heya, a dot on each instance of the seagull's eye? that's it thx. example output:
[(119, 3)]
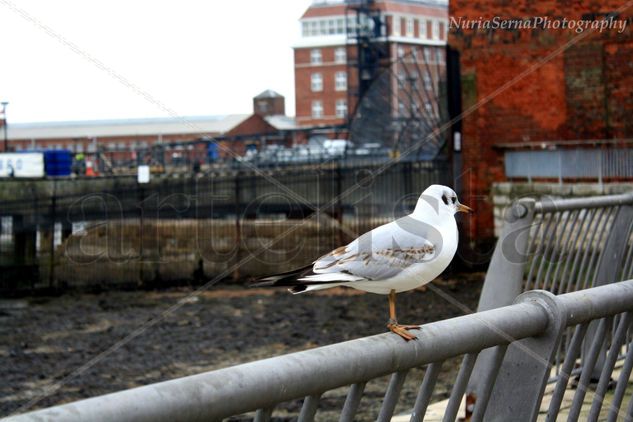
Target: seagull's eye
[(445, 199), (454, 199)]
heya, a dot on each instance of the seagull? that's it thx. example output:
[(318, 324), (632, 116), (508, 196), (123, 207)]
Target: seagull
[(401, 255)]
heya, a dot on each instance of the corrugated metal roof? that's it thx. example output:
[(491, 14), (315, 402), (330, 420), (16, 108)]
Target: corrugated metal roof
[(281, 122), (212, 125)]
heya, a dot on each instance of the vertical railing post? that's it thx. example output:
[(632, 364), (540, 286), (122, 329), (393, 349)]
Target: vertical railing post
[(237, 193), (609, 267), (53, 217), (519, 387), (504, 278), (611, 259)]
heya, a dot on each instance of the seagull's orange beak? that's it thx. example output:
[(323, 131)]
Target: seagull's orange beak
[(464, 208)]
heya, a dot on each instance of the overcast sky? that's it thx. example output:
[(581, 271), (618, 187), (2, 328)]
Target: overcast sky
[(78, 59)]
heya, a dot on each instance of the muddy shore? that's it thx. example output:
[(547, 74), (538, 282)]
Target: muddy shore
[(83, 340)]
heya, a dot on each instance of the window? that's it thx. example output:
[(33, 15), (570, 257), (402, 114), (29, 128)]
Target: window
[(436, 30), (410, 30), (427, 54), (341, 108), (317, 82), (340, 55), (413, 79), (340, 26), (351, 24), (401, 108), (440, 56), (317, 109), (422, 28), (396, 26), (315, 56), (427, 81), (340, 81), (322, 28), (331, 27), (262, 107), (305, 29), (400, 52)]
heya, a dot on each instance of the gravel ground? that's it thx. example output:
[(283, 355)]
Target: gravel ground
[(69, 338)]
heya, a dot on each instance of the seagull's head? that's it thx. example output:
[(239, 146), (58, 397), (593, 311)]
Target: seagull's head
[(443, 199)]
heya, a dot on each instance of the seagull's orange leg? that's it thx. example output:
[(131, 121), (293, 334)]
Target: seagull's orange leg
[(393, 325)]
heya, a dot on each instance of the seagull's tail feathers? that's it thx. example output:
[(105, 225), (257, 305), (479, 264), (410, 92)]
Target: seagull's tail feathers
[(304, 279)]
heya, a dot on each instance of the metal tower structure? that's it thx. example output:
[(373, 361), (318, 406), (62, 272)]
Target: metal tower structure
[(371, 53)]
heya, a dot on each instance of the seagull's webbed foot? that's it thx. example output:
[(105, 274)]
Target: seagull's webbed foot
[(402, 330)]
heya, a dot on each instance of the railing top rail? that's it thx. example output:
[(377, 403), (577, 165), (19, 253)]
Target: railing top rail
[(589, 304), (553, 205), (235, 390), (261, 384)]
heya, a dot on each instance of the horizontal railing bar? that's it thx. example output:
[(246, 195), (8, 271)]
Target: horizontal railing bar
[(261, 384), (590, 304), (265, 383), (552, 205)]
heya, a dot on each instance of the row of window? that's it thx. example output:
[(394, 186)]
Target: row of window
[(428, 28), (413, 109), (340, 56), (328, 26), (340, 81), (429, 53), (340, 108), (411, 78)]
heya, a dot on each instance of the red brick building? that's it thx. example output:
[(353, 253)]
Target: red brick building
[(327, 70), (126, 142), (544, 87)]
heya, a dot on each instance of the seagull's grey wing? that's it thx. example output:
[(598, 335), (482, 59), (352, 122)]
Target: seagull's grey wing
[(383, 252)]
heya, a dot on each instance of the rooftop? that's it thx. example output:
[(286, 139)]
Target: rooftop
[(269, 93), (337, 2), (125, 127)]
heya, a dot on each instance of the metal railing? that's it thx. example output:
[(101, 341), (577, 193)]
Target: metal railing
[(523, 338), (559, 245), (581, 163)]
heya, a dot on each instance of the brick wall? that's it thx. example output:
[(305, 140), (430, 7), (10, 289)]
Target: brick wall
[(329, 95), (583, 92)]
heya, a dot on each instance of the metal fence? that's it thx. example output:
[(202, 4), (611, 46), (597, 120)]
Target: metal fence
[(522, 337), (559, 245), (596, 164), (183, 228)]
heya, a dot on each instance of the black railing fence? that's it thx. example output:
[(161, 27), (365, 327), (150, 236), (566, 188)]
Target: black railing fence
[(192, 228)]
